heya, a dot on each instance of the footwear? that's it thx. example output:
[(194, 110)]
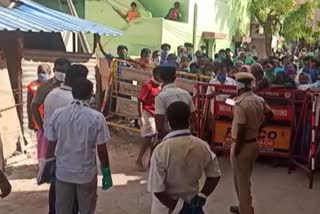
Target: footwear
[(235, 209)]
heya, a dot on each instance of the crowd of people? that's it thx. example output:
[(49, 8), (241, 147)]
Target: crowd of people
[(71, 133), (284, 71)]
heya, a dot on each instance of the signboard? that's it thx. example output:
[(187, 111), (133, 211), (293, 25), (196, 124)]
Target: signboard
[(281, 113), (222, 109), (271, 138), (127, 107), (129, 89)]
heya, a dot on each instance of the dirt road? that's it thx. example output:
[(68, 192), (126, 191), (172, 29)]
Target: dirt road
[(275, 192)]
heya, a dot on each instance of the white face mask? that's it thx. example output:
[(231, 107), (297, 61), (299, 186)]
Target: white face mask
[(59, 76), (157, 60), (240, 86)]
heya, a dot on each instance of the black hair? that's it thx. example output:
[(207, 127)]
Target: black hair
[(145, 51), (222, 51), (167, 73), (178, 114), (165, 45), (265, 62), (172, 57), (216, 56), (177, 3), (121, 47), (155, 53), (307, 58), (255, 58), (188, 44), (194, 65), (228, 50), (75, 72), (314, 60), (219, 66), (133, 4), (156, 72), (63, 64), (82, 89)]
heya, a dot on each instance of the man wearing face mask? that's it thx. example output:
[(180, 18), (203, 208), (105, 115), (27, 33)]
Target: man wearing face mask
[(156, 57), (250, 112), (165, 50), (44, 72), (220, 78), (182, 52), (60, 67)]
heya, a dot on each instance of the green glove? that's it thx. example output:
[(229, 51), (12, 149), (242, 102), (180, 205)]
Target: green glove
[(107, 179)]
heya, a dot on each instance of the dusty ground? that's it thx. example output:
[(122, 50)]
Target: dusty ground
[(275, 191)]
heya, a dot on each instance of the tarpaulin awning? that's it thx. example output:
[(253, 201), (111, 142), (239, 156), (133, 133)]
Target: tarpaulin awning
[(29, 16)]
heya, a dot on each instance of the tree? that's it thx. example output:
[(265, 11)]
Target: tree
[(299, 24), (270, 14), (291, 20)]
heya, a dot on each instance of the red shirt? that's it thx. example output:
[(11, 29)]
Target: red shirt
[(148, 94), (32, 88)]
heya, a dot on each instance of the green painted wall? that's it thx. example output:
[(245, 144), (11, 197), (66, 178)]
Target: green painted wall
[(160, 8), (223, 16)]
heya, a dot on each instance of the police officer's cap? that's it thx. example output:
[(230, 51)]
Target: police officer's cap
[(244, 76)]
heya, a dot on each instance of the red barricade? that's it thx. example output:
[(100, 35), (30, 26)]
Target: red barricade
[(292, 108)]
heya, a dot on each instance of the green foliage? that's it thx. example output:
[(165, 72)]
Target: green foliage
[(265, 10), (298, 23), (292, 20)]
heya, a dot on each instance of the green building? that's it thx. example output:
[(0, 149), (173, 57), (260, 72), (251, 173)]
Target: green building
[(213, 23)]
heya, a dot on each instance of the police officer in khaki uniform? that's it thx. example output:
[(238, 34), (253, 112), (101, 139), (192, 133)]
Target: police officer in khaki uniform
[(250, 112)]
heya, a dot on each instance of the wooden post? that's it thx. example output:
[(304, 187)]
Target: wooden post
[(12, 44)]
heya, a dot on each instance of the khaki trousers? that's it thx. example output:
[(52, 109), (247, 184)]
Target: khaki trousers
[(242, 167)]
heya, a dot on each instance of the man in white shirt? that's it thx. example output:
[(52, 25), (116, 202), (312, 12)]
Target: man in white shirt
[(177, 165), (75, 134), (62, 96), (58, 98), (220, 78), (169, 94)]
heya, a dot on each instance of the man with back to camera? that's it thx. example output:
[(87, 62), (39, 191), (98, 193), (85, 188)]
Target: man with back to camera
[(169, 94), (58, 98), (250, 112), (177, 165), (76, 133), (61, 65)]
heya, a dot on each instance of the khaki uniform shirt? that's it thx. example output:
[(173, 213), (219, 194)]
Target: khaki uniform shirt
[(249, 111), (177, 165)]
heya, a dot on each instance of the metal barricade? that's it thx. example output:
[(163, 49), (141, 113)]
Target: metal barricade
[(127, 78)]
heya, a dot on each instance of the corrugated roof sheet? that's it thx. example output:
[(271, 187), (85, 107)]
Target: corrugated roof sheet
[(33, 17)]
